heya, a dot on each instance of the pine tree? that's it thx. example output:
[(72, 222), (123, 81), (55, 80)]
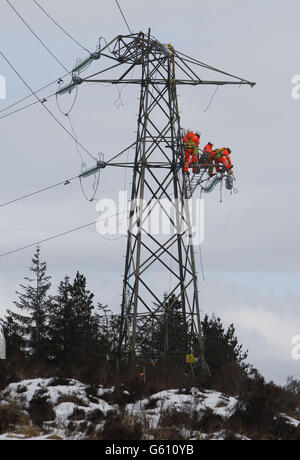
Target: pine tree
[(60, 322), (74, 325), (222, 347), (28, 333), (108, 332)]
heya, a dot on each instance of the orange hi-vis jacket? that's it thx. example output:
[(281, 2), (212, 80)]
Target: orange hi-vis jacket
[(196, 149), (209, 157), (189, 143), (208, 149), (222, 156)]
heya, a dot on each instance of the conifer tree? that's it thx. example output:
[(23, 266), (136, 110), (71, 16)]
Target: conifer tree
[(74, 325), (27, 333), (222, 347)]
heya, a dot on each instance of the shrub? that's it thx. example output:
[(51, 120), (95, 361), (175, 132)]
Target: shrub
[(95, 417), (191, 419), (258, 409), (59, 381), (293, 387), (78, 415), (282, 430), (40, 409), (91, 392), (11, 417), (122, 428), (209, 422), (173, 417), (166, 434)]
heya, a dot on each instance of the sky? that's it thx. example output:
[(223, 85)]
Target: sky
[(251, 247)]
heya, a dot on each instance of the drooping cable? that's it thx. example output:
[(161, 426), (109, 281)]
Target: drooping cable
[(95, 186), (211, 100), (67, 112)]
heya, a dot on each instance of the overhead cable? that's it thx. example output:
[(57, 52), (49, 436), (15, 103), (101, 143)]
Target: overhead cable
[(31, 95), (37, 37), (123, 15), (14, 251), (65, 182), (60, 27), (46, 108)]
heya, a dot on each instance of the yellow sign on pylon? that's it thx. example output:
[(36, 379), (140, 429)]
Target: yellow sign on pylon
[(190, 359)]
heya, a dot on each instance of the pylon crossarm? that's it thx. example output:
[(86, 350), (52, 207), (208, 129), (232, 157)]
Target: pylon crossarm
[(179, 82), (208, 67)]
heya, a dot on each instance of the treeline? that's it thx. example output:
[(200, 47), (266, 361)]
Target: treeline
[(68, 329), (62, 328)]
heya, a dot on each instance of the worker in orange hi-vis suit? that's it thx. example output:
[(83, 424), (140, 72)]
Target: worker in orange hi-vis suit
[(207, 157), (223, 156), (196, 150), (208, 148), (189, 141)]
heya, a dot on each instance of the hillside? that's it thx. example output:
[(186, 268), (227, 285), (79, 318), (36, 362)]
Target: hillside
[(66, 409)]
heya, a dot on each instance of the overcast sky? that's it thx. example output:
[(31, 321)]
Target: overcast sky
[(251, 248)]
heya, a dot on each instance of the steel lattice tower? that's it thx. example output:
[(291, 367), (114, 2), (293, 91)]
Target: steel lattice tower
[(158, 179)]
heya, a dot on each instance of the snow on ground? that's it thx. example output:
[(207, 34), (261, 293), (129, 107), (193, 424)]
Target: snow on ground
[(220, 404), (71, 401), (54, 391), (291, 420), (150, 410), (73, 410)]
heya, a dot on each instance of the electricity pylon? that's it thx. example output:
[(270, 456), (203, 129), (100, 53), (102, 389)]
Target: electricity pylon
[(156, 260)]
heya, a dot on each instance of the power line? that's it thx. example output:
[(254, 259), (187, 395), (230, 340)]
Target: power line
[(45, 99), (30, 95), (19, 110), (65, 182), (37, 37), (123, 15), (59, 235), (45, 107), (60, 27), (50, 187)]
